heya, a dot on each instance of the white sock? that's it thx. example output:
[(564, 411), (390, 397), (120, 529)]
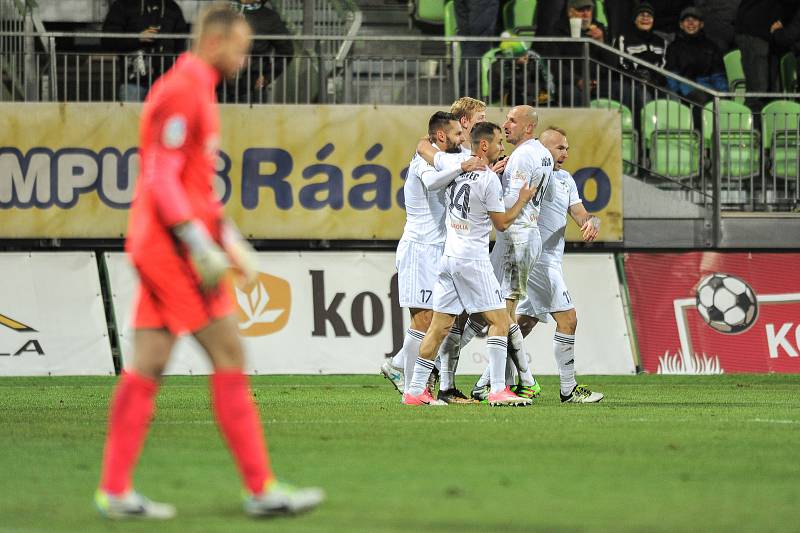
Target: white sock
[(470, 330), (518, 355), (564, 350), (399, 359), (410, 351), (511, 373), (496, 348), (484, 379), (419, 379), (448, 351)]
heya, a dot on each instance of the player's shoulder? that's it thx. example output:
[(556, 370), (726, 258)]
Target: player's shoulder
[(174, 91)]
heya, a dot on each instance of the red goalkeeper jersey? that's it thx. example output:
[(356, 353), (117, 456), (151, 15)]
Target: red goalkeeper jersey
[(179, 138)]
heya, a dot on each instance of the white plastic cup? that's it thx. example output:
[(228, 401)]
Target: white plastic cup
[(575, 26)]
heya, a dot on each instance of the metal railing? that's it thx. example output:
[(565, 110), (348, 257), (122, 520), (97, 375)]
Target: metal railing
[(699, 145)]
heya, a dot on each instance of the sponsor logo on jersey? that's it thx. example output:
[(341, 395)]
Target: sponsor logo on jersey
[(174, 134)]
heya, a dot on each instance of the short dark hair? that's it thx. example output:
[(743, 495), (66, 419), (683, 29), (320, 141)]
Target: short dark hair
[(218, 15), (483, 131), (439, 121)]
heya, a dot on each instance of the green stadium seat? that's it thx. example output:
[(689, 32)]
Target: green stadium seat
[(740, 150), (735, 73), (451, 30), (519, 15), (600, 12), (670, 140), (781, 137), (789, 73), (429, 11), (486, 67), (630, 137)]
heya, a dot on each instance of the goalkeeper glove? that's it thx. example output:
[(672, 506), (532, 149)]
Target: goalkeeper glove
[(241, 253), (208, 260)]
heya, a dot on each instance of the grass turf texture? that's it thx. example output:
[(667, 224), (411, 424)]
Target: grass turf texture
[(660, 453)]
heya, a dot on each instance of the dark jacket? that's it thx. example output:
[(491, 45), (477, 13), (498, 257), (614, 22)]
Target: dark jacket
[(697, 58), (755, 17), (135, 16), (719, 17), (787, 39), (647, 46), (268, 58)]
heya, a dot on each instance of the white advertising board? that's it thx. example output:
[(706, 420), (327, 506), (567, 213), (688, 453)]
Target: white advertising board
[(52, 320), (337, 313)]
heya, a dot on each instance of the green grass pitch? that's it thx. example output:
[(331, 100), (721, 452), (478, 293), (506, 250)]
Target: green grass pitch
[(660, 453)]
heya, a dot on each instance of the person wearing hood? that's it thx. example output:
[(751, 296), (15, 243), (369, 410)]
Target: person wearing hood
[(145, 58), (268, 58), (644, 44), (695, 57)]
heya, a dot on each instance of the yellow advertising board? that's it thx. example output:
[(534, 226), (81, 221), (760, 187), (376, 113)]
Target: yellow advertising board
[(283, 172)]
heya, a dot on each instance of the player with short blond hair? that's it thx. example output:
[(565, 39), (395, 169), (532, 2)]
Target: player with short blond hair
[(181, 246), (466, 281)]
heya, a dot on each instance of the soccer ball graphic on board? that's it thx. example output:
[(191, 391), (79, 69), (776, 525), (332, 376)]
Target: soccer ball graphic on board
[(726, 303)]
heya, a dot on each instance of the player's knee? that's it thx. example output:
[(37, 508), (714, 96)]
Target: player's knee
[(525, 324), (567, 322)]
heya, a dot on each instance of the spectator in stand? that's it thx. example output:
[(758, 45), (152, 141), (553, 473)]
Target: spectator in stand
[(754, 21), (548, 15), (693, 56), (720, 18), (618, 13), (145, 58), (571, 82), (520, 76), (268, 58), (475, 18), (668, 16), (642, 43), (786, 37)]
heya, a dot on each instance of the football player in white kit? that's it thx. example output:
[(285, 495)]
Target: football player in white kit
[(466, 280), (422, 243), (546, 292), (468, 111), (517, 249)]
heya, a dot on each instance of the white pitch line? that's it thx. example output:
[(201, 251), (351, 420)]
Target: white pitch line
[(774, 421)]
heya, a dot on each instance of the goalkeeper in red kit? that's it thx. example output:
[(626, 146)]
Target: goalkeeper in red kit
[(181, 247)]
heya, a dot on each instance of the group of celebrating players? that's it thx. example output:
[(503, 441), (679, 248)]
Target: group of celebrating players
[(459, 185)]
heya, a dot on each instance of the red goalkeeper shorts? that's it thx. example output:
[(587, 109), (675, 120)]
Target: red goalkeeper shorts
[(170, 296)]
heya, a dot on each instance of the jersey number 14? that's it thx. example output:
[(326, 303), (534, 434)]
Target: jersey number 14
[(459, 200)]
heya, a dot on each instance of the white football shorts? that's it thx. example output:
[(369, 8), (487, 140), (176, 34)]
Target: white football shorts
[(417, 269), (547, 293), (513, 259), (466, 285)]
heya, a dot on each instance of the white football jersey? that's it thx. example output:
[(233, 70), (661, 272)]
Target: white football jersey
[(470, 199), (529, 163), (560, 196), (425, 210), (443, 160)]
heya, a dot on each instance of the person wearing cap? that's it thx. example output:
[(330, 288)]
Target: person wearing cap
[(520, 76), (642, 43), (695, 57), (572, 84), (646, 45), (668, 16)]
